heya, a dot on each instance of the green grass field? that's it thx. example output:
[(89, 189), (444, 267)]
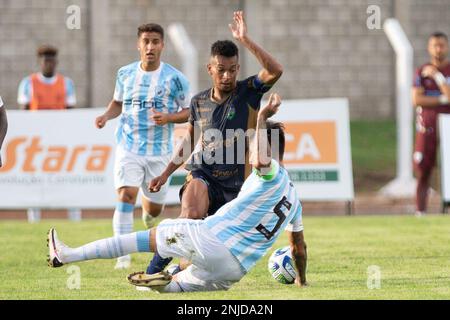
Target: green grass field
[(373, 153), (412, 254)]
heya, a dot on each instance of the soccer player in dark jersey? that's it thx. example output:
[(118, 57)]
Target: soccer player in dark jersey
[(229, 104), (431, 95)]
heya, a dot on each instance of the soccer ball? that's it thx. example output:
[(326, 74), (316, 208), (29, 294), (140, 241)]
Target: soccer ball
[(281, 266)]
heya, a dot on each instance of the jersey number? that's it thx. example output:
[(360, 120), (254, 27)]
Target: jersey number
[(281, 217)]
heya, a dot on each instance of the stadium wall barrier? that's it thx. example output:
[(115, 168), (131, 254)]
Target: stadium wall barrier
[(58, 159)]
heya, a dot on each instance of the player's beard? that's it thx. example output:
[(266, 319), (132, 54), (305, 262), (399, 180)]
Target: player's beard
[(227, 89)]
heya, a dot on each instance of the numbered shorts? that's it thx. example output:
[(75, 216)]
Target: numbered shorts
[(132, 170), (213, 266)]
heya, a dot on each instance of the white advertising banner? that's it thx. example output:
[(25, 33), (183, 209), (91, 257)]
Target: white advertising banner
[(444, 132), (59, 159), (318, 155)]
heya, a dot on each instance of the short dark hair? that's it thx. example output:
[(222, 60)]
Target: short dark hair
[(438, 34), (150, 27), (273, 125), (47, 51), (224, 48)]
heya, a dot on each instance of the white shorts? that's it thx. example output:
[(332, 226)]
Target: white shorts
[(132, 170), (213, 266)]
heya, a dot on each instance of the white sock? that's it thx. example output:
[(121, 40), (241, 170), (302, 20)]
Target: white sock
[(34, 215), (123, 218), (108, 248)]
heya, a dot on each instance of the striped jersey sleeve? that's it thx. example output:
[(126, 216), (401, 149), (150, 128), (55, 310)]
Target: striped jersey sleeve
[(24, 91)]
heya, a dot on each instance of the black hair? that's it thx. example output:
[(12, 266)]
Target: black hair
[(150, 27), (224, 48)]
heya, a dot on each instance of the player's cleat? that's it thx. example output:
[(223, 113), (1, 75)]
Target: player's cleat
[(154, 281), (123, 262), (173, 269), (148, 220), (54, 248), (419, 214)]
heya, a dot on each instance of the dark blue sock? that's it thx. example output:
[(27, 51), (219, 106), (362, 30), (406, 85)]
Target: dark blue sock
[(157, 264)]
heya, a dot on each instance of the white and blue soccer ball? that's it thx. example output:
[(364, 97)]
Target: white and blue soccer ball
[(281, 266)]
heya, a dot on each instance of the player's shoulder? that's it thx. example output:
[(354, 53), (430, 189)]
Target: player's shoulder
[(171, 69), (174, 73), (201, 96), (127, 69), (249, 81), (26, 79)]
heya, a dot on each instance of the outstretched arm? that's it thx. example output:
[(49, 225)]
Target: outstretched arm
[(261, 156), (181, 155), (299, 255), (272, 69), (161, 118)]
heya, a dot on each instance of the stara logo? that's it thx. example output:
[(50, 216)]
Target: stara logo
[(55, 158), (311, 142)]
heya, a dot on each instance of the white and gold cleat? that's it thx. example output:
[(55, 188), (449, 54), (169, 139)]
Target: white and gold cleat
[(54, 247)]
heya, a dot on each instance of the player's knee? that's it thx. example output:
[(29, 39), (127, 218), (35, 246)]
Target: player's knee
[(151, 208), (127, 196), (155, 211)]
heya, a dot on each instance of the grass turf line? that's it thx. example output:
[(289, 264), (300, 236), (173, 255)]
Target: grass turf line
[(413, 256)]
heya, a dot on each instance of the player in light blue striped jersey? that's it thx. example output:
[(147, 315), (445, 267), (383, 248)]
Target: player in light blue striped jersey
[(150, 97), (225, 246)]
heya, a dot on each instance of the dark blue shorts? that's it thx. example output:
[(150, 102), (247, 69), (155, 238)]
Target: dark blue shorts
[(217, 195)]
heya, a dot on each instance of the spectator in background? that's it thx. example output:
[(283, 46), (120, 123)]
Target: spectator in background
[(47, 90), (431, 95), (3, 127)]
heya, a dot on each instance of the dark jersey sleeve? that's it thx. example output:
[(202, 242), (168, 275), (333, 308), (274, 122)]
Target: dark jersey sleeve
[(255, 90), (256, 84)]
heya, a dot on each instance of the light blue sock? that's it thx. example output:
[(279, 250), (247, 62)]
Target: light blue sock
[(108, 248), (123, 218)]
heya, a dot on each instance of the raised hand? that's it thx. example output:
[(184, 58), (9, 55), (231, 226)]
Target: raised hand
[(238, 27), (271, 107)]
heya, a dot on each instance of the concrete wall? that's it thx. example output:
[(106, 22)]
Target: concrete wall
[(325, 46)]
